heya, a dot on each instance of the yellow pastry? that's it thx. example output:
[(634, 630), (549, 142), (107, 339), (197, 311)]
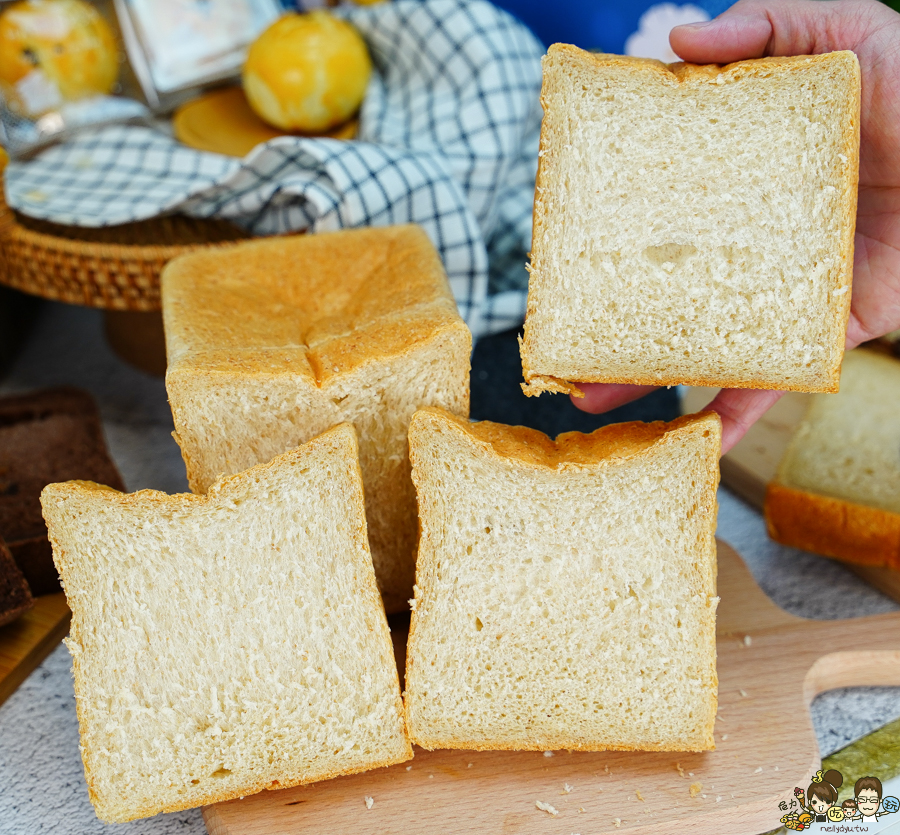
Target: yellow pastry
[(54, 51), (307, 72)]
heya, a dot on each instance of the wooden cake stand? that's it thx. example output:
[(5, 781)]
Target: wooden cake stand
[(223, 122)]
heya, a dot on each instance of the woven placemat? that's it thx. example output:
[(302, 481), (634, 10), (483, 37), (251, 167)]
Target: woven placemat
[(113, 267)]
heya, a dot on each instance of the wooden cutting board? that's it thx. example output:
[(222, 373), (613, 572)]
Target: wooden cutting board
[(223, 122), (28, 640), (771, 665), (752, 463)]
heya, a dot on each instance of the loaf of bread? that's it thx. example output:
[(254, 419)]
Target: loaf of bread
[(15, 596), (837, 490), (226, 643), (693, 224), (45, 436), (565, 591), (270, 343)]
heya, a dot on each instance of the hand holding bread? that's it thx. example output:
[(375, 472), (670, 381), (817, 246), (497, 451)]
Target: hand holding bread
[(757, 28)]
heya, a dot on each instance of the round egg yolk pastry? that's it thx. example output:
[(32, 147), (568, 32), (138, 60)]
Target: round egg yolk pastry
[(307, 72), (54, 51)]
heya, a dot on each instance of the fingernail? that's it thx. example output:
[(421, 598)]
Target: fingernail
[(700, 24)]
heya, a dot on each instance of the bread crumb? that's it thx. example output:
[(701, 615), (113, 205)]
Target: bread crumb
[(758, 770), (409, 768), (719, 799), (639, 796), (580, 809), (690, 774), (743, 693), (548, 753), (776, 768), (680, 770), (617, 822), (725, 736), (431, 777), (696, 788), (546, 807), (567, 788), (469, 765), (747, 640), (370, 802)]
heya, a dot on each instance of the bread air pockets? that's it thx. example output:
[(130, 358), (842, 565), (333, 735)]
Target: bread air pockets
[(693, 224), (565, 591), (226, 643)]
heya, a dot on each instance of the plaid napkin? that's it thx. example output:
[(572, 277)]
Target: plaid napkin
[(448, 139)]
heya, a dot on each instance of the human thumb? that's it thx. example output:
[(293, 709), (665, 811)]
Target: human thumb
[(757, 28)]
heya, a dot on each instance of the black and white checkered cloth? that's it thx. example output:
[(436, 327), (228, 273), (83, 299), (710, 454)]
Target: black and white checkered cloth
[(448, 139)]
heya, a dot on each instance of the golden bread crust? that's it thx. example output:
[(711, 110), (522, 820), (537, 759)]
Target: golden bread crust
[(538, 383), (321, 305), (832, 527), (523, 446)]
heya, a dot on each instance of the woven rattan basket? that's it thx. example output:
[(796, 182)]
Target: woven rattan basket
[(116, 267)]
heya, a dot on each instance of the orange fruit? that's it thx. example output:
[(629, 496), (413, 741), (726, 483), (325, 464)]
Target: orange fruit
[(54, 51), (307, 72)]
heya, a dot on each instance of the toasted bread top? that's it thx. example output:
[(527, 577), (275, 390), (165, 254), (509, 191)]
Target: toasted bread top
[(315, 305)]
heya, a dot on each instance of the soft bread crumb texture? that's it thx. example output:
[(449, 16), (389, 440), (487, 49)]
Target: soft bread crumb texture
[(837, 490), (565, 591), (693, 224), (271, 343), (226, 643), (848, 444)]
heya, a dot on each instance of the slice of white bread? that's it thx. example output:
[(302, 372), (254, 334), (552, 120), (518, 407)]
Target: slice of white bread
[(270, 343), (837, 490), (693, 224), (565, 591), (226, 643)]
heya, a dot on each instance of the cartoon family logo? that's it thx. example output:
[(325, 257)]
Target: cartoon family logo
[(819, 803)]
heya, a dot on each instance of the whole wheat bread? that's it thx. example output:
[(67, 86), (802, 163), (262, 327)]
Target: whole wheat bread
[(226, 643), (693, 224), (15, 596), (565, 591), (45, 436)]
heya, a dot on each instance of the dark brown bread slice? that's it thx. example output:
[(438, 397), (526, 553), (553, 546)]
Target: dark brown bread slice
[(15, 596), (45, 437)]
